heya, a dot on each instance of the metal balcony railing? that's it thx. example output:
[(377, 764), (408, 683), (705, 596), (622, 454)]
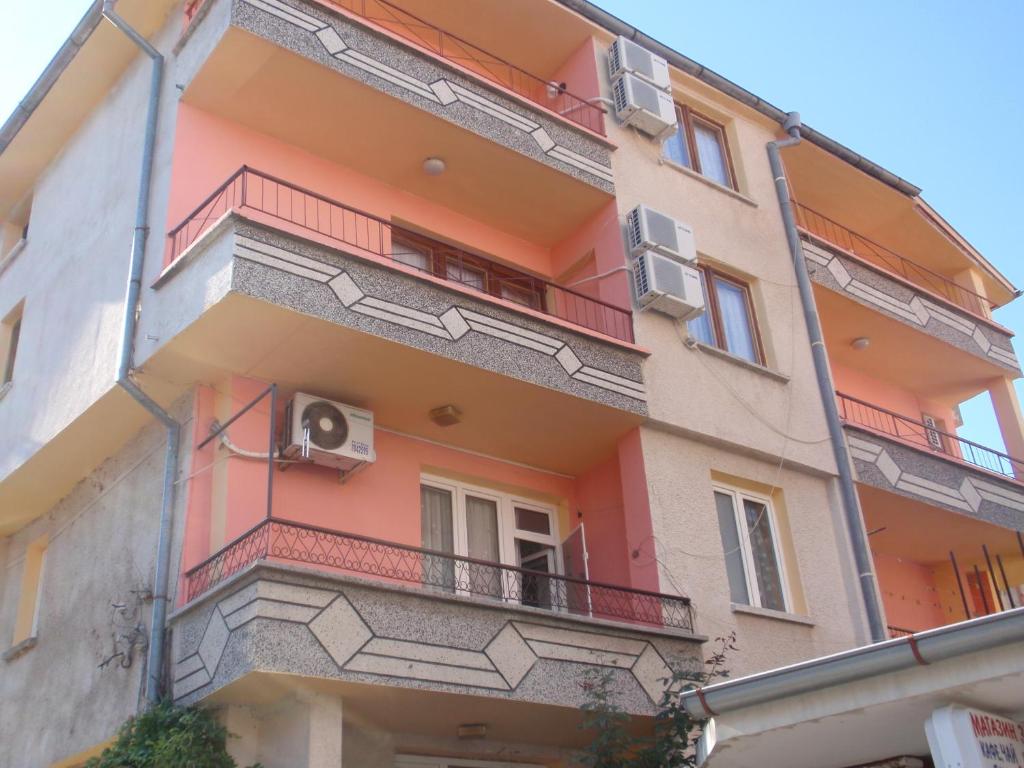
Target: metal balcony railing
[(877, 255), (251, 190), (548, 95), (919, 434), (895, 632), (282, 540)]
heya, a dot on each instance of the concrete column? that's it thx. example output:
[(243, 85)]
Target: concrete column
[(971, 280), (244, 739), (325, 730), (1008, 414), (636, 513)]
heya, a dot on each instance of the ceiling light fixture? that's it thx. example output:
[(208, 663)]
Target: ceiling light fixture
[(434, 166), (861, 342), (446, 416)]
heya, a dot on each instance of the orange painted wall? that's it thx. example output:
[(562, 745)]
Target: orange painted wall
[(600, 236), (855, 383), (579, 72), (208, 149), (909, 593), (383, 500)]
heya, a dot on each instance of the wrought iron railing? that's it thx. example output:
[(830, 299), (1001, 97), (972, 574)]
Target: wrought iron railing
[(917, 433), (548, 95), (868, 250), (350, 228), (282, 540), (895, 632)]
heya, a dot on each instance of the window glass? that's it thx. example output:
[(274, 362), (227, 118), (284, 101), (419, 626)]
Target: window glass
[(410, 255), (762, 548), (13, 336), (711, 152), (467, 274), (700, 327), (539, 559), (519, 293), (482, 544), (438, 533), (735, 319), (676, 148), (732, 549), (532, 520)]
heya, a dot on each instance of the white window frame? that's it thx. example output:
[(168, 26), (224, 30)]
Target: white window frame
[(749, 568), (507, 531)]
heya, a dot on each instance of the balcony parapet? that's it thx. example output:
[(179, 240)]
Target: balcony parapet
[(285, 619), (900, 454), (406, 66), (905, 292)]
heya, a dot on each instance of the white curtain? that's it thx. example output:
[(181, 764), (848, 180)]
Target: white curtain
[(700, 327), (732, 302), (769, 580), (482, 544), (712, 154), (409, 255), (675, 149), (438, 534)]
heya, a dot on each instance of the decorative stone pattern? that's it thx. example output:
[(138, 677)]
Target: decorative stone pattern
[(924, 476), (897, 300), (276, 619), (339, 42), (351, 291)]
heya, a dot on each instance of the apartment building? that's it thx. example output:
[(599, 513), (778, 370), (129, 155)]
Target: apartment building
[(397, 444)]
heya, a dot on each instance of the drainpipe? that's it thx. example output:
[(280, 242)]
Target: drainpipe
[(848, 493), (155, 658)]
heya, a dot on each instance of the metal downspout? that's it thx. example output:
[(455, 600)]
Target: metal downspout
[(155, 658), (848, 493)]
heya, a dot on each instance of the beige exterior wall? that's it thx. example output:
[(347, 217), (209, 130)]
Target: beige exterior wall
[(715, 415)]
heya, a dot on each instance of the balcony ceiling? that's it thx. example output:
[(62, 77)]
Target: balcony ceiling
[(352, 124), (898, 354), (857, 201), (923, 533), (502, 416)]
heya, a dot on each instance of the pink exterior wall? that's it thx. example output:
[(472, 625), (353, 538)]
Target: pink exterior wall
[(602, 236), (209, 149), (909, 593), (639, 530), (383, 500), (579, 72)]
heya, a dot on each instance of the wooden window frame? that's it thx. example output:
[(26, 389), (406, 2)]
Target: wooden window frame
[(495, 275), (10, 340), (714, 312), (686, 116)]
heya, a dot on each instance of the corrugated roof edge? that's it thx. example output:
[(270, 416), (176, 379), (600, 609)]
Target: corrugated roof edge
[(619, 27)]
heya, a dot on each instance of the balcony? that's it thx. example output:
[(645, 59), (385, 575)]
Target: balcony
[(885, 282), (265, 197), (403, 90), (458, 52), (897, 453)]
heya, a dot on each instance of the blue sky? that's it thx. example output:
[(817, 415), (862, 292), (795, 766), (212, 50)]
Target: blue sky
[(932, 91)]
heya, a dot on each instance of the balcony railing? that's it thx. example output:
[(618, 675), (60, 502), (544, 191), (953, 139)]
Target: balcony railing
[(250, 190), (548, 95), (282, 540), (868, 250), (921, 435)]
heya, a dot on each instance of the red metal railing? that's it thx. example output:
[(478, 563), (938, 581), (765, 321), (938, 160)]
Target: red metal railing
[(895, 632), (907, 430), (868, 250), (250, 190), (546, 94), (438, 571)]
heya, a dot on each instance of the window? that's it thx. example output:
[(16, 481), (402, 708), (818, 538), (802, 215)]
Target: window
[(10, 335), (27, 619), (728, 321), (467, 269), (494, 528), (750, 541), (700, 144)]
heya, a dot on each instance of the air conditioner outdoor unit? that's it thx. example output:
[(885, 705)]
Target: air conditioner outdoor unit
[(667, 286), (649, 230), (328, 433), (643, 106), (626, 57)]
